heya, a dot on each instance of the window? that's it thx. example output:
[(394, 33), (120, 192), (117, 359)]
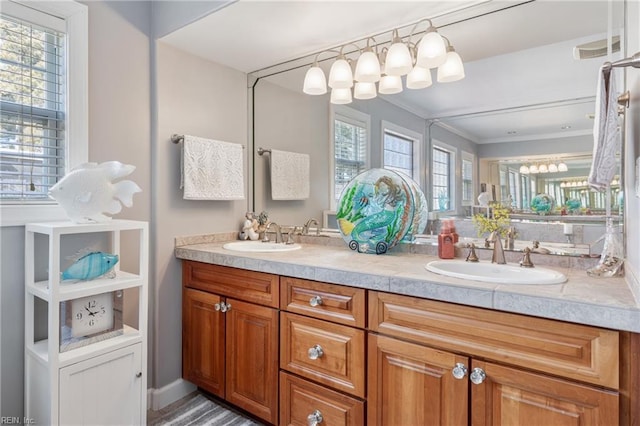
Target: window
[(442, 175), (43, 76), (467, 179), (525, 192), (401, 150), (32, 91), (350, 148)]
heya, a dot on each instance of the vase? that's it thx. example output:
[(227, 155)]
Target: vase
[(612, 257)]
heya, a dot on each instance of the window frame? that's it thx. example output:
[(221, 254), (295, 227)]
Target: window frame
[(453, 151), (348, 115), (404, 133), (75, 24)]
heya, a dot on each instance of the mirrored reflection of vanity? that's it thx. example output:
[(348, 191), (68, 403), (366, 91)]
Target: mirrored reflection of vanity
[(544, 113)]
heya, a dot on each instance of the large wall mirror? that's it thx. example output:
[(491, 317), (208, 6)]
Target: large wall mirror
[(528, 98)]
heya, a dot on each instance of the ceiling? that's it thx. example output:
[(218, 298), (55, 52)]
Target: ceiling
[(510, 44)]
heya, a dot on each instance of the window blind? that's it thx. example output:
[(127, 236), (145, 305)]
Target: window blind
[(398, 153), (467, 181), (32, 119), (350, 151)]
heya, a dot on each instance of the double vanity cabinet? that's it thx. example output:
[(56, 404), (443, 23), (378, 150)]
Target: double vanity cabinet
[(298, 352)]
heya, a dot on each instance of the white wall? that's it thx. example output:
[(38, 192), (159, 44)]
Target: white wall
[(118, 130), (632, 200), (196, 97)]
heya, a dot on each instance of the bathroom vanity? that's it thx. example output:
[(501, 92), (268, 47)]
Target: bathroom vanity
[(330, 336)]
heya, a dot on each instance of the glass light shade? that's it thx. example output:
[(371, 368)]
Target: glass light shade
[(419, 78), (562, 167), (341, 96), (398, 61), (364, 90), (367, 68), (584, 183), (533, 169), (563, 185), (524, 170), (390, 84), (574, 184), (553, 168), (315, 83), (542, 168), (340, 75), (452, 69), (432, 50)]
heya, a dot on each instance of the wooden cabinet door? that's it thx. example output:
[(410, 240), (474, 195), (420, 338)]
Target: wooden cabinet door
[(203, 341), (509, 396), (252, 358), (411, 384), (103, 390)]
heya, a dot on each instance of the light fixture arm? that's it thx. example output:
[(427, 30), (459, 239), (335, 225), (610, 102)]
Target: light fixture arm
[(413, 30), (315, 60)]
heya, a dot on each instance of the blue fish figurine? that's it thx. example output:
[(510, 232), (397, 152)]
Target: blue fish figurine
[(90, 266)]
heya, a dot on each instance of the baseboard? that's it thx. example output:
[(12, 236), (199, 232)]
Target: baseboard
[(160, 398)]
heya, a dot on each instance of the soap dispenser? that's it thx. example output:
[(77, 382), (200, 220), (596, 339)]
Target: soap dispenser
[(446, 248)]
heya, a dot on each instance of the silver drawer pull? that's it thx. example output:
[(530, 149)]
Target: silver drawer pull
[(315, 301), (315, 352), (314, 418)]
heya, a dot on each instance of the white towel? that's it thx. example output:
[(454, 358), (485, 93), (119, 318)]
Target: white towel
[(211, 170), (289, 175), (606, 135)]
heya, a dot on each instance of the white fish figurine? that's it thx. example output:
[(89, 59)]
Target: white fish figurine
[(88, 191), (90, 266)]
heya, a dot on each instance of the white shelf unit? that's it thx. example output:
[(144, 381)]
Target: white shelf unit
[(52, 377)]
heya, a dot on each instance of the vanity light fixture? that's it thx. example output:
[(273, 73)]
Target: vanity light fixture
[(562, 167), (533, 169), (542, 168), (553, 168), (401, 57), (524, 170)]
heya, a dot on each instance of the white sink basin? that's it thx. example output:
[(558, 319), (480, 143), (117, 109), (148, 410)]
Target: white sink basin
[(260, 247), (494, 273)]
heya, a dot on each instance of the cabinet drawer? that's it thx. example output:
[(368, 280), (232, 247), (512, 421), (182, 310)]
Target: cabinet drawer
[(250, 286), (341, 304), (300, 398), (341, 362), (584, 353)]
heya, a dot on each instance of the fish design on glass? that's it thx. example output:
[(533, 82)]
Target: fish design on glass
[(91, 265), (88, 191)]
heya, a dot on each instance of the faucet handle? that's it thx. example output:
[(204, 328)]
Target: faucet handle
[(526, 259), (290, 235), (472, 257)]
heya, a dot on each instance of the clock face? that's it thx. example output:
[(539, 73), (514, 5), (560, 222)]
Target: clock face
[(92, 314)]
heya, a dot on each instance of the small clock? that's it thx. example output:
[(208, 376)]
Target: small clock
[(90, 319)]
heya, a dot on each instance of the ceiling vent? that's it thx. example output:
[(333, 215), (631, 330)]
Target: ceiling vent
[(596, 49)]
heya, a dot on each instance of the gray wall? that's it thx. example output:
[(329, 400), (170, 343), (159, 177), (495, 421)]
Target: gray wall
[(577, 144), (194, 97), (118, 130), (169, 16)]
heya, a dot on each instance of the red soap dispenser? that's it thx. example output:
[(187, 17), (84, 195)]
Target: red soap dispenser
[(446, 248)]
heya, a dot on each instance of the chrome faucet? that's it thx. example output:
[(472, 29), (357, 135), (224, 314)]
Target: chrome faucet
[(511, 236), (305, 228), (278, 233), (498, 251)]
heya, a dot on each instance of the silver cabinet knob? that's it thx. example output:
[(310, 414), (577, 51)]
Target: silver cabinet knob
[(314, 418), (459, 371), (315, 352), (315, 301), (222, 307), (477, 376)]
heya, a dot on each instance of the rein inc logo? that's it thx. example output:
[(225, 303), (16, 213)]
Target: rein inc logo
[(14, 420)]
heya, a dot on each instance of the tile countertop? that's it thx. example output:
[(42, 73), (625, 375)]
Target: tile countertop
[(603, 302)]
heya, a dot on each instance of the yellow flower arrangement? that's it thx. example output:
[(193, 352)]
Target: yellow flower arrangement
[(499, 220)]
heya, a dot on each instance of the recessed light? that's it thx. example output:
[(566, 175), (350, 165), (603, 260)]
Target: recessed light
[(511, 132), (565, 127)]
